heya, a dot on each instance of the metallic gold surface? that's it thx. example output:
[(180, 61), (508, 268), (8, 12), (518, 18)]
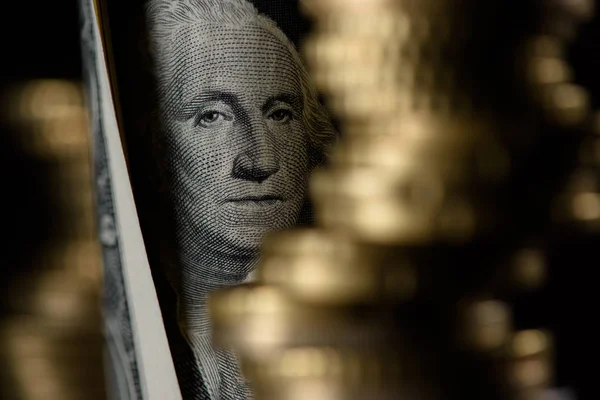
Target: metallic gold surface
[(529, 268), (486, 325), (529, 363), (329, 373), (435, 130), (51, 344), (260, 321), (324, 268)]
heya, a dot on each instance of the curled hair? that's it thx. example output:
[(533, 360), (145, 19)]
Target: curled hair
[(165, 17)]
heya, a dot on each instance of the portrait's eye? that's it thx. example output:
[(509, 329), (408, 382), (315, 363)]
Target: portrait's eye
[(281, 115), (210, 117)]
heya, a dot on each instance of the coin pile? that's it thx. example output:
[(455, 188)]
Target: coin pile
[(398, 292), (51, 343)]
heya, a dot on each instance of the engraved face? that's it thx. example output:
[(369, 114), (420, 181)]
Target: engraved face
[(236, 143)]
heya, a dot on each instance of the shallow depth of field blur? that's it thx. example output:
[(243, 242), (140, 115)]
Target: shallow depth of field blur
[(50, 323)]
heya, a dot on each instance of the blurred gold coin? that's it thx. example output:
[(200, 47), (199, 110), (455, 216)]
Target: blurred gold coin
[(462, 153), (529, 343), (544, 46), (390, 206), (405, 153), (326, 390), (534, 372), (319, 9), (260, 320), (486, 325), (529, 360), (330, 268), (529, 268), (342, 365), (579, 202), (565, 104), (330, 373)]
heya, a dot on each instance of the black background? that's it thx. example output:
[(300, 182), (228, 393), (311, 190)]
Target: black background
[(40, 39)]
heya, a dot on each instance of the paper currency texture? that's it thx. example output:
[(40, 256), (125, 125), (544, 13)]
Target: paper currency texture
[(221, 127), (138, 361)]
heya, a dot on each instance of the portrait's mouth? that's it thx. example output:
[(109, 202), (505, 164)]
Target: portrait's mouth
[(256, 201)]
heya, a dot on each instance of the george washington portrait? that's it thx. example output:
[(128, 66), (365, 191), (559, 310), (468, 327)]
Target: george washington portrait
[(241, 130)]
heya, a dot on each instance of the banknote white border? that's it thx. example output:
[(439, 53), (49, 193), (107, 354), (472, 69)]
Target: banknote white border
[(157, 374)]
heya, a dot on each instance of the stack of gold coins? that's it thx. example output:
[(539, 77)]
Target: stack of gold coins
[(398, 291), (51, 343)]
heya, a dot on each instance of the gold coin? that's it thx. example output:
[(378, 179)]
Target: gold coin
[(324, 51), (565, 104), (328, 363), (534, 372), (325, 390), (320, 9), (391, 206), (529, 343), (330, 373), (486, 324), (548, 70), (544, 46), (259, 320), (403, 152), (579, 202), (529, 268), (329, 268), (381, 25), (529, 360)]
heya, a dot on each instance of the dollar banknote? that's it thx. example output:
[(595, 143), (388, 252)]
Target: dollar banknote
[(206, 127), (139, 365)]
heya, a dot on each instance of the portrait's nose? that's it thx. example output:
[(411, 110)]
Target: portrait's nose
[(258, 158)]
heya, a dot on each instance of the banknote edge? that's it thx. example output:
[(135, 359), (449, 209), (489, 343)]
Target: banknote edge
[(157, 373)]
